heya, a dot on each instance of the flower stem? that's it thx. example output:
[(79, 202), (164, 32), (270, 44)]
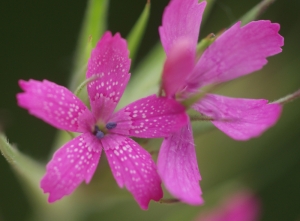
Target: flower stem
[(135, 36), (187, 103), (169, 201), (256, 11), (205, 43), (94, 25), (200, 118), (288, 98), (85, 82), (71, 134)]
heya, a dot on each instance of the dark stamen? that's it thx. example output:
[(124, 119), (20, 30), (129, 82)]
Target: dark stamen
[(111, 125), (98, 133)]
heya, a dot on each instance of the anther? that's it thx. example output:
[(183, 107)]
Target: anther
[(98, 133), (111, 125)]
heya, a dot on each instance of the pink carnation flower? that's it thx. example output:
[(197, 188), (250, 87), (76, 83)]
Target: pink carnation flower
[(100, 128), (242, 206), (237, 52)]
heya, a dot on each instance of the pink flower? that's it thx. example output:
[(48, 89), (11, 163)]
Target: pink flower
[(100, 128), (242, 206), (237, 52)]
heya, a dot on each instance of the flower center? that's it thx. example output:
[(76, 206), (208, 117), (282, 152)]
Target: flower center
[(100, 131)]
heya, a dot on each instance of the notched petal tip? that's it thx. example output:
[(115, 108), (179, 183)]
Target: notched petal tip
[(70, 165), (240, 119), (22, 83), (271, 30), (53, 104), (110, 61), (237, 52), (181, 19)]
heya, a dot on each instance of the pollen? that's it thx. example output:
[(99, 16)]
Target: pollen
[(111, 125), (98, 133)]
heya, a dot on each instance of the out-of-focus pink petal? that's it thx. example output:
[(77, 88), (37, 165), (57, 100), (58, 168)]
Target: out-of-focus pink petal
[(242, 206), (237, 52), (110, 62), (150, 117), (181, 19), (73, 163), (239, 118), (54, 104), (179, 64), (133, 167), (178, 168)]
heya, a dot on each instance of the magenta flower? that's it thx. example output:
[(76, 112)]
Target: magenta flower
[(237, 52), (242, 206), (100, 128)]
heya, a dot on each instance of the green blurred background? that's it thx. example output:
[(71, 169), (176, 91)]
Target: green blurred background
[(38, 40)]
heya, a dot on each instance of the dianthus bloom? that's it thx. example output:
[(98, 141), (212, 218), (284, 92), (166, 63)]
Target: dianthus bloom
[(100, 128), (241, 206), (237, 52)]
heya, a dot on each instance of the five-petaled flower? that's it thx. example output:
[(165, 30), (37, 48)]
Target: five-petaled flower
[(236, 52), (102, 129)]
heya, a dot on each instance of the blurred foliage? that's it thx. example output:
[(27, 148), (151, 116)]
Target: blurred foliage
[(90, 32), (39, 41), (137, 32)]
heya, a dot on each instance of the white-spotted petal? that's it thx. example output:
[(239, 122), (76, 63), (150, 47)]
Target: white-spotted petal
[(149, 117), (109, 62), (73, 163), (133, 167), (54, 104), (178, 168)]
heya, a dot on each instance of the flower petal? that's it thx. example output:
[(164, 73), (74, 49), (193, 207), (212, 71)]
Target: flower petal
[(179, 64), (73, 163), (110, 62), (181, 19), (237, 52), (150, 117), (133, 167), (239, 118), (178, 168), (55, 105)]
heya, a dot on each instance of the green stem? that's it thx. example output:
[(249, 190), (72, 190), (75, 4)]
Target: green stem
[(169, 201), (85, 82), (201, 118), (288, 98), (256, 11), (93, 27), (135, 36), (209, 6), (187, 103), (71, 134), (205, 43)]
